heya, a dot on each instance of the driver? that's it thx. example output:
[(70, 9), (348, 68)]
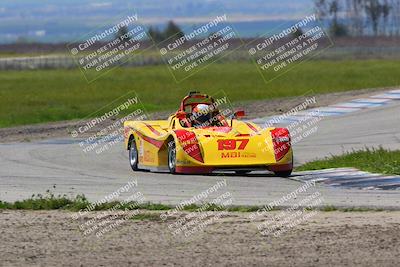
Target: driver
[(202, 115)]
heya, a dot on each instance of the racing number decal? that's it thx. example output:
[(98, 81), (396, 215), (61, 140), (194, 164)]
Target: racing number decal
[(232, 144)]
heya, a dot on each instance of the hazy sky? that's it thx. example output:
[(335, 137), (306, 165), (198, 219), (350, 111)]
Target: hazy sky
[(49, 20), (152, 9)]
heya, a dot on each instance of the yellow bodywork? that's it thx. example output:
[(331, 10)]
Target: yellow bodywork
[(244, 145)]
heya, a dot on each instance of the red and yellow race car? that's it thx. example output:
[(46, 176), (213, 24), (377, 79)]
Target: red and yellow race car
[(199, 139)]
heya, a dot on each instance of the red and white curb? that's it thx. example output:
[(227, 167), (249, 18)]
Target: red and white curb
[(350, 178), (335, 109)]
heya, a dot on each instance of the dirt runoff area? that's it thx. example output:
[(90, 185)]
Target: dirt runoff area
[(54, 238), (254, 109)]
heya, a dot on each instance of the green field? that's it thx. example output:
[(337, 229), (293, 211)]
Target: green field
[(37, 96), (371, 160)]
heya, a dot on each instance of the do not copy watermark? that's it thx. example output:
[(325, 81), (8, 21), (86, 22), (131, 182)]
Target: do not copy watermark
[(300, 209), (185, 55), (103, 129), (212, 209), (110, 46), (275, 54)]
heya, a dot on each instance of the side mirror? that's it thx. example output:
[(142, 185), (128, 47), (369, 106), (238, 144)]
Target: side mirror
[(239, 114)]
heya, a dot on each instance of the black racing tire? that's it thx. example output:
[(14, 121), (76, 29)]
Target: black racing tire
[(283, 174), (242, 172), (133, 155), (172, 157)]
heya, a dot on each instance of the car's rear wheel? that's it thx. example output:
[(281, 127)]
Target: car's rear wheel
[(133, 155), (172, 157)]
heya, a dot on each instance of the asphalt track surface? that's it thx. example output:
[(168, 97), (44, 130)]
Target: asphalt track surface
[(63, 168)]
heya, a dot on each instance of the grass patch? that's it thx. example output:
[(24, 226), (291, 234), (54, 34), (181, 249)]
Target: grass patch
[(329, 208), (376, 160), (39, 96), (146, 217), (51, 202), (244, 208), (47, 202), (360, 209)]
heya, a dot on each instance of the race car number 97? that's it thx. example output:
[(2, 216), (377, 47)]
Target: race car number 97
[(232, 144)]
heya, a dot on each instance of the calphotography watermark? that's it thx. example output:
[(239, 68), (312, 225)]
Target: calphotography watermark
[(210, 207), (187, 53), (274, 54), (101, 222), (105, 128), (295, 208), (301, 122), (299, 109), (109, 46)]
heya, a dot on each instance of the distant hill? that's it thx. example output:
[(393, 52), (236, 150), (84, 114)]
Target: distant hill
[(67, 20)]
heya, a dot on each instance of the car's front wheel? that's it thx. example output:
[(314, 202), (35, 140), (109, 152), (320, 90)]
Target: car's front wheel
[(172, 157), (133, 155), (285, 173)]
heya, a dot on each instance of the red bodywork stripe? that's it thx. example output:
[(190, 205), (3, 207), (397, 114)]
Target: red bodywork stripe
[(193, 169), (252, 127), (152, 129), (189, 144), (281, 148), (223, 129), (279, 168), (152, 141)]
